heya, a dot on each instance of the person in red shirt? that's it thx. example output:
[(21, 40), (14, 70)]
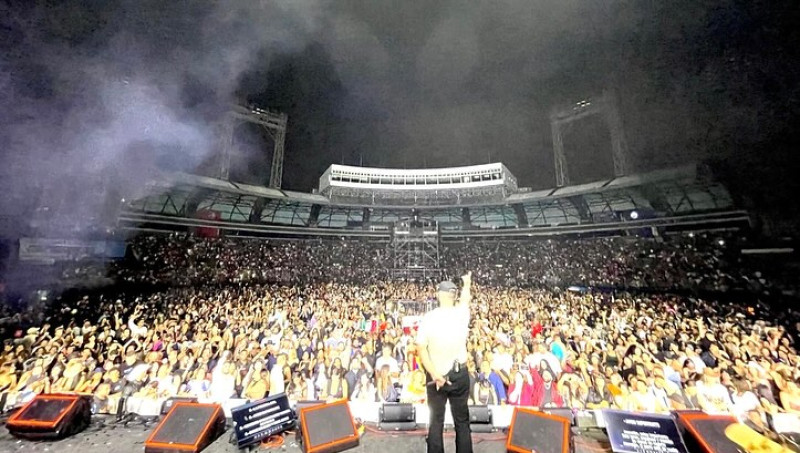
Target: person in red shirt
[(521, 388), (536, 328), (545, 391)]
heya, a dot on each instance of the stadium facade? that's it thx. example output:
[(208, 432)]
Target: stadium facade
[(473, 201)]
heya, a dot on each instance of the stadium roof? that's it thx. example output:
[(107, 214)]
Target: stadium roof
[(681, 194)]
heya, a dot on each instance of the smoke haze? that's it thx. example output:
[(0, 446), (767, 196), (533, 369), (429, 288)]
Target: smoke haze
[(103, 94)]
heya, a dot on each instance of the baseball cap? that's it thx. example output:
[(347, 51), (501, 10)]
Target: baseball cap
[(447, 286)]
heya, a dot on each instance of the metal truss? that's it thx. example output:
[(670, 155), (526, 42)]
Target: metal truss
[(340, 217), (683, 197), (558, 211), (171, 203), (444, 217), (286, 212), (231, 207), (501, 216), (418, 275), (614, 201), (388, 215), (562, 119), (275, 125), (664, 197), (415, 248), (152, 222)]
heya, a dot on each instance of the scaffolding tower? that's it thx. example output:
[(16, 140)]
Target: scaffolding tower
[(415, 250)]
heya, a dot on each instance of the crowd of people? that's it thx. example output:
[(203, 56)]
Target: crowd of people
[(236, 318), (684, 262)]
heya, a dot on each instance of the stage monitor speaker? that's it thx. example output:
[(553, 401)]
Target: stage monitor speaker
[(563, 412), (51, 417), (480, 419), (167, 405), (397, 426), (299, 406), (188, 427), (397, 412), (720, 434), (480, 415), (328, 428), (397, 417), (536, 431), (588, 419)]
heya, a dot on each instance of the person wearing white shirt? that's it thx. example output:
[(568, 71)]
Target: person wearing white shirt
[(692, 355), (387, 360), (277, 383), (641, 399), (442, 346), (277, 317), (535, 359), (137, 328), (276, 337), (502, 360), (744, 400), (223, 382), (713, 396)]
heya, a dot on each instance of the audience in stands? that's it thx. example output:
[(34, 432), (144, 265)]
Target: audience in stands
[(234, 318)]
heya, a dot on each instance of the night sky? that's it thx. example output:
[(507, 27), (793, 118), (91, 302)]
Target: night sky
[(103, 89)]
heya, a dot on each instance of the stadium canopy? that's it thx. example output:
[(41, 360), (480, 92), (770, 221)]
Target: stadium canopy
[(676, 197)]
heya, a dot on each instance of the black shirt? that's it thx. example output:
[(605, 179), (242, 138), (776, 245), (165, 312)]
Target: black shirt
[(705, 344), (351, 379)]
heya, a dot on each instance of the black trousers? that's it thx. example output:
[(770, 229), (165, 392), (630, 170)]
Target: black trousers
[(457, 393)]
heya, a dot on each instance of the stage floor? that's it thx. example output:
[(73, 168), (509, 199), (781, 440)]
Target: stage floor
[(104, 436)]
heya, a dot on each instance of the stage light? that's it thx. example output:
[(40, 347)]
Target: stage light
[(634, 215), (691, 235), (721, 242)]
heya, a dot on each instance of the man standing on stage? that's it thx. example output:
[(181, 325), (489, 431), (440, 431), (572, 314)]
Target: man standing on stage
[(442, 346)]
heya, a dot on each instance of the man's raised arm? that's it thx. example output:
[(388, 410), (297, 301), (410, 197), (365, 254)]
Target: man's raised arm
[(466, 288)]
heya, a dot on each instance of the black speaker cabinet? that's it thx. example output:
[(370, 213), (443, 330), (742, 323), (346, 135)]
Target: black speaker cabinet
[(188, 427), (536, 431), (51, 417), (707, 433), (328, 428)]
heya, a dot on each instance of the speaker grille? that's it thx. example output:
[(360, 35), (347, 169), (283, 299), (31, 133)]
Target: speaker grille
[(184, 425), (51, 417), (538, 432), (328, 424), (45, 409)]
